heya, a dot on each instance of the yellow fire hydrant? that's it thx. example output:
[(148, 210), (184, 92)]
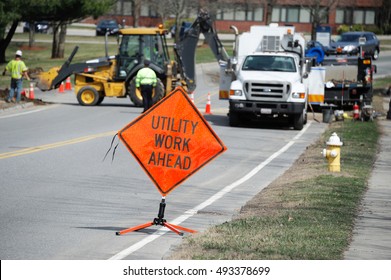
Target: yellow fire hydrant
[(333, 153)]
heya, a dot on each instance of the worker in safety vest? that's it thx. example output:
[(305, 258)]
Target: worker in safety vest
[(146, 80), (18, 69)]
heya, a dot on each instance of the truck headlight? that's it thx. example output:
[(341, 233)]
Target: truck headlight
[(300, 95), (237, 92)]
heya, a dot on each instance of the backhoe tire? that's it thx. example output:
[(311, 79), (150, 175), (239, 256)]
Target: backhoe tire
[(135, 95), (88, 96)]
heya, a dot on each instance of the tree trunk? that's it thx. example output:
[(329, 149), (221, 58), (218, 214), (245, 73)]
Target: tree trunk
[(61, 44), (31, 34), (136, 13), (59, 35), (177, 28), (314, 25), (5, 42), (56, 39), (269, 10)]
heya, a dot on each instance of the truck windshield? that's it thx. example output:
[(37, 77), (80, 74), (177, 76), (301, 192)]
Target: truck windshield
[(269, 63)]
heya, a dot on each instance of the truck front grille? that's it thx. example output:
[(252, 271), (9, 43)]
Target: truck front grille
[(266, 91)]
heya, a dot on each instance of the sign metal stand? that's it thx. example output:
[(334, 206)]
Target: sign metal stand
[(159, 221)]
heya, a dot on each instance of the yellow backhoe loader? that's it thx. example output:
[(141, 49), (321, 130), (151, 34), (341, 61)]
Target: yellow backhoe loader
[(114, 76)]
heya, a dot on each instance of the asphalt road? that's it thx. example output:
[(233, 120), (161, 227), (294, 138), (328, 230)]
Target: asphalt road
[(60, 200), (383, 64)]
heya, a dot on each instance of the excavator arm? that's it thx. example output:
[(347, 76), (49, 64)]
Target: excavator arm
[(185, 49), (53, 78)]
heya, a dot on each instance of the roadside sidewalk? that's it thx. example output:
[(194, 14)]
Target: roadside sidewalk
[(6, 107), (372, 233)]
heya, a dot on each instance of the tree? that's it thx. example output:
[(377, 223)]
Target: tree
[(59, 12), (269, 9), (63, 12), (385, 17), (9, 17), (179, 9), (136, 12), (319, 10)]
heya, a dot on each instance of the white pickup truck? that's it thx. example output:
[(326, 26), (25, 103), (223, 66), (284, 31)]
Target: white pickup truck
[(269, 77)]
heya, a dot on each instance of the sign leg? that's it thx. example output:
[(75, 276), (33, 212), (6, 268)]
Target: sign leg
[(182, 228), (134, 228)]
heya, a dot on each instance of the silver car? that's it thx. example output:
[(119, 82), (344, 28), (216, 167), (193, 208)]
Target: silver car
[(350, 43)]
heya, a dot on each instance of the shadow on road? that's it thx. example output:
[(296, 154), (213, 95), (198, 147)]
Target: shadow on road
[(116, 229), (221, 120)]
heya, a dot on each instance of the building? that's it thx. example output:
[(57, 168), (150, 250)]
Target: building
[(300, 13), (303, 14)]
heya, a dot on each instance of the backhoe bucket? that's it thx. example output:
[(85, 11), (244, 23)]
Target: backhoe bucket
[(44, 80)]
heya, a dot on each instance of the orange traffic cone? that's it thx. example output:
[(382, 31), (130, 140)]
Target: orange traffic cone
[(61, 88), (356, 111), (31, 92), (24, 91), (68, 85), (207, 108)]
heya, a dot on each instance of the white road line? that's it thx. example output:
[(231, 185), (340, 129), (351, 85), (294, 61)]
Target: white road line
[(23, 113), (190, 213)]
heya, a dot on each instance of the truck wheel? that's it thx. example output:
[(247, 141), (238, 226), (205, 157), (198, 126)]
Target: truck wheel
[(234, 119), (88, 96), (298, 121), (135, 94)]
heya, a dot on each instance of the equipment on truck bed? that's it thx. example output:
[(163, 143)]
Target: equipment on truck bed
[(346, 79)]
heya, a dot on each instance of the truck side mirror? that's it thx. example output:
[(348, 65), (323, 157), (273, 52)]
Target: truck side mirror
[(231, 64), (308, 67)]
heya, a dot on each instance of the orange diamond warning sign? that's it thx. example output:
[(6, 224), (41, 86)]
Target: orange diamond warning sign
[(171, 141)]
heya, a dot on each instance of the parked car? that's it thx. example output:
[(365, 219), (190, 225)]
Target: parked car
[(107, 25), (40, 27), (350, 42)]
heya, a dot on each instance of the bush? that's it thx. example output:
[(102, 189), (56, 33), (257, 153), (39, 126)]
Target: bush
[(358, 27)]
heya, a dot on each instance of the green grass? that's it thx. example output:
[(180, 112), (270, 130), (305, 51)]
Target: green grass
[(40, 54), (205, 55), (309, 219), (382, 83)]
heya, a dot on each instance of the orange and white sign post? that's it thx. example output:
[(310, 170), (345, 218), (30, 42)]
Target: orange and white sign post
[(171, 141)]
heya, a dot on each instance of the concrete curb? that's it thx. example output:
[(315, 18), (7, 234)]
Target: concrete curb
[(16, 107), (372, 233)]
